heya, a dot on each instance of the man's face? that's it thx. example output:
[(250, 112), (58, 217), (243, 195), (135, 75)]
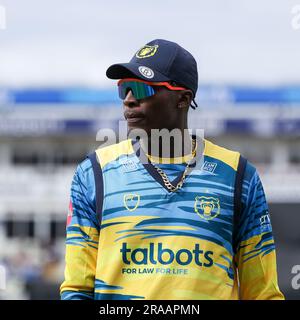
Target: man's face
[(156, 112)]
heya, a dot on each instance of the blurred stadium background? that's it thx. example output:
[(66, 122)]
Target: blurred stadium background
[(54, 97)]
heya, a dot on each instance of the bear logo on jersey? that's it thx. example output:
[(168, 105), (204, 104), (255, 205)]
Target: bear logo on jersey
[(146, 51), (131, 201), (207, 207)]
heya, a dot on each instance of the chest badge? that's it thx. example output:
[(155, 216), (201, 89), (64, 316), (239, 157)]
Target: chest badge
[(131, 201), (207, 207)]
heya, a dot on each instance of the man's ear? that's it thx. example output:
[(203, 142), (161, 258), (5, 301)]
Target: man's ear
[(185, 99)]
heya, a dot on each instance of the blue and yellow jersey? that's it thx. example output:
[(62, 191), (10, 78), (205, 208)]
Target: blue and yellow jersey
[(150, 243)]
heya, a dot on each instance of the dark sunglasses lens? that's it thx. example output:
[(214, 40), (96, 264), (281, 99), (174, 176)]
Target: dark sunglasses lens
[(139, 90)]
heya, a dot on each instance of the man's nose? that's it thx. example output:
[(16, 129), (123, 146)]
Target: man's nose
[(130, 100)]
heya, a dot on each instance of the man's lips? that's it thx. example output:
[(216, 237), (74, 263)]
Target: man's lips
[(134, 120), (134, 117)]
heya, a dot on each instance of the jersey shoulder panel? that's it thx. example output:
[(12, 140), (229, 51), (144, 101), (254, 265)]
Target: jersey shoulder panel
[(230, 157), (113, 152)]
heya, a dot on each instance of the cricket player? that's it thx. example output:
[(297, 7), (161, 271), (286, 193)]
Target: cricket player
[(146, 224)]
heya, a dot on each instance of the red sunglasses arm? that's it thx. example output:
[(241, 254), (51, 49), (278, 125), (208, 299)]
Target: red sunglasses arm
[(165, 84)]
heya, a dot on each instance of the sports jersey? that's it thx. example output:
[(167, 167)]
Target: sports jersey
[(146, 242)]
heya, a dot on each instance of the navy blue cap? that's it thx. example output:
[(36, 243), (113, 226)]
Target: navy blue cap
[(159, 60)]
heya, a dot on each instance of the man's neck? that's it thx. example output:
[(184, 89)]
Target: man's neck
[(165, 146)]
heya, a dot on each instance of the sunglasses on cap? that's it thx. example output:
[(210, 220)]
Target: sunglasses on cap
[(142, 89)]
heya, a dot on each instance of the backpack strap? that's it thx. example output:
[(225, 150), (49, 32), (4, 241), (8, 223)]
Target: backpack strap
[(238, 206), (99, 193)]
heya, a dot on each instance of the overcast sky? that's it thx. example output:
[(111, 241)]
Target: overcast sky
[(72, 42)]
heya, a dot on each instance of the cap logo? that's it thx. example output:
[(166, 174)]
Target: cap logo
[(146, 51), (146, 72)]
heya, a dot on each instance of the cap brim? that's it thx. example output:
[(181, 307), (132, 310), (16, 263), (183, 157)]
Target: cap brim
[(131, 70)]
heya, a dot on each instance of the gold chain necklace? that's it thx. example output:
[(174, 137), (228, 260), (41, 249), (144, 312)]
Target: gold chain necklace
[(166, 180)]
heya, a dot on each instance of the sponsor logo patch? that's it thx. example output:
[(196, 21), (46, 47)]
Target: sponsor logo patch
[(209, 166), (128, 165)]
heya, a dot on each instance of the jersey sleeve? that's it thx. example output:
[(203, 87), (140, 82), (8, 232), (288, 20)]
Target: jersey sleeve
[(82, 235), (256, 257)]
